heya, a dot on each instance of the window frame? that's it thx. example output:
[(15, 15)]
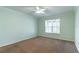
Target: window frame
[(51, 31)]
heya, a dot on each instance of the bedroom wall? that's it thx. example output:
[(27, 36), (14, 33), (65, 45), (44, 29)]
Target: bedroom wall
[(15, 26), (77, 27), (66, 26)]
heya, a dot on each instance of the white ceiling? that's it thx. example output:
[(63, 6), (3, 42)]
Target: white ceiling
[(50, 10)]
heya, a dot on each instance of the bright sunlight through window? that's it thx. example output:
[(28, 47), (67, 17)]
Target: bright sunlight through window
[(52, 26)]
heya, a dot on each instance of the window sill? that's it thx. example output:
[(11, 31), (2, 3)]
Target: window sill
[(51, 33)]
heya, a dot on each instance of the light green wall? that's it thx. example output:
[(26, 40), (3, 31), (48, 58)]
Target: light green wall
[(77, 28), (15, 26), (67, 26)]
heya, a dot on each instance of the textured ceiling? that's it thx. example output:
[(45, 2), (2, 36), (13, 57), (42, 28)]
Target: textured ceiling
[(50, 10)]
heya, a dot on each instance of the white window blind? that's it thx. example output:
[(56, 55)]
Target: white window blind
[(52, 26)]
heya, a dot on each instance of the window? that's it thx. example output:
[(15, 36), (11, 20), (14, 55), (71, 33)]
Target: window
[(52, 26)]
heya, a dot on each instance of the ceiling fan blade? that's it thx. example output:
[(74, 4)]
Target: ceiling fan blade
[(43, 9), (37, 8)]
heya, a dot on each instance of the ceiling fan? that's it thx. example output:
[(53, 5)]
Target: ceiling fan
[(39, 10)]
